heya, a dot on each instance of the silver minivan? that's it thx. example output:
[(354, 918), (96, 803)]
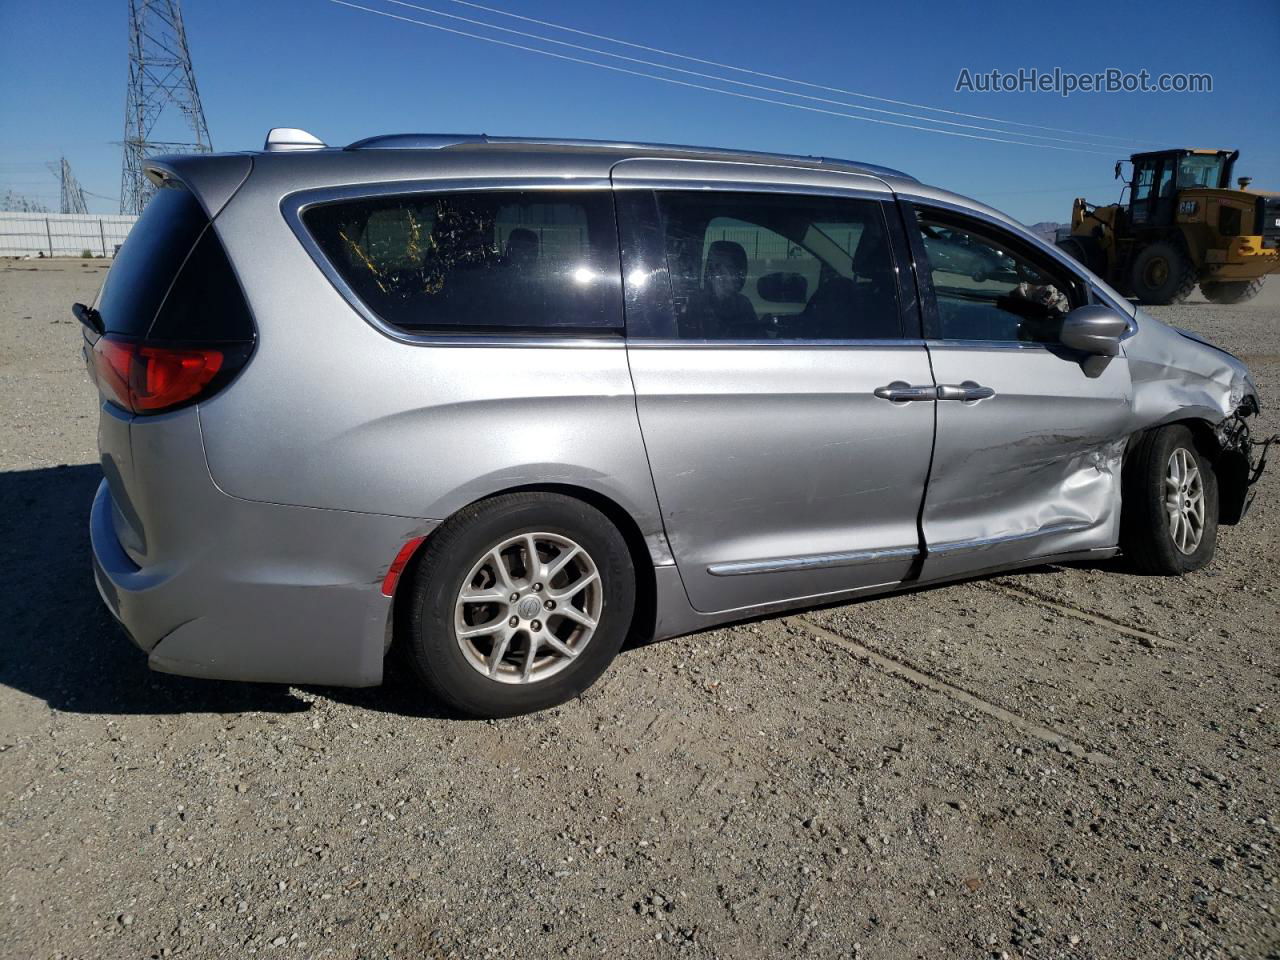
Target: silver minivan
[(505, 402)]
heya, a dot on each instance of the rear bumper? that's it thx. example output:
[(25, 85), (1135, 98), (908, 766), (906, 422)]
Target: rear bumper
[(255, 591), (1245, 259)]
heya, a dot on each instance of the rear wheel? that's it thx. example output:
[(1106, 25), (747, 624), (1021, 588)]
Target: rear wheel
[(1169, 518), (1162, 274), (1084, 249), (1230, 291), (520, 603)]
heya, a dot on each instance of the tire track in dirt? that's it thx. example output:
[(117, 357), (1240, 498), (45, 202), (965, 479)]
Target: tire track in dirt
[(920, 678), (1027, 595)]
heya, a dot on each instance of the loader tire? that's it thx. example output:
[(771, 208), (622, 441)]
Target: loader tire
[(1230, 291), (1162, 274)]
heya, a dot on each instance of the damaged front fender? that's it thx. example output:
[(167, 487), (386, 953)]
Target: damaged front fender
[(1179, 376)]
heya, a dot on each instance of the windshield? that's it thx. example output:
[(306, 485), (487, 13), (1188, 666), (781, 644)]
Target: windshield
[(1200, 171)]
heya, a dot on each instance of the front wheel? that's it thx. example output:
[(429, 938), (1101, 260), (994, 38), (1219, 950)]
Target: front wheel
[(1169, 514), (520, 603), (1087, 250), (1162, 274), (1230, 291)]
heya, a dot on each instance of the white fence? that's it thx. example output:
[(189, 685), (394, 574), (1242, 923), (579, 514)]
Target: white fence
[(61, 234)]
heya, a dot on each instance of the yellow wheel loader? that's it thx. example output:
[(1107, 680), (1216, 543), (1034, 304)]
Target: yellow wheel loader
[(1183, 224)]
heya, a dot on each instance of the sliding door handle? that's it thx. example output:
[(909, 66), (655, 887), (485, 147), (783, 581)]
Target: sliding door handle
[(902, 392), (966, 392)]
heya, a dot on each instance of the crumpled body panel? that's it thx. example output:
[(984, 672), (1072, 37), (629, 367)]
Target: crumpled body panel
[(1036, 470), (1178, 376)]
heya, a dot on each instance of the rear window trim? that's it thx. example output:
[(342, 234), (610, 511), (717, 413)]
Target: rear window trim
[(295, 205)]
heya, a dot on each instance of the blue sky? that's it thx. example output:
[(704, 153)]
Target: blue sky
[(345, 74)]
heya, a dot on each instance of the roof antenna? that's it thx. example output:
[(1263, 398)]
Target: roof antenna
[(281, 139)]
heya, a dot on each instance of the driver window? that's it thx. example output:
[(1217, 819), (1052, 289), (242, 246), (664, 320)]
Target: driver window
[(776, 266), (986, 288)]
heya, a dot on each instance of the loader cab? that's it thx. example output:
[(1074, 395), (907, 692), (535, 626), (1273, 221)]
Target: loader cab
[(1157, 178)]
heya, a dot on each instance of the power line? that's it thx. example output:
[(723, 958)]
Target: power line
[(699, 86), (772, 76), (740, 83)]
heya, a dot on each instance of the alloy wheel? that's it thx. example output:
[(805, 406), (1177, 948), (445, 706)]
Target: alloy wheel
[(1184, 500), (528, 607)]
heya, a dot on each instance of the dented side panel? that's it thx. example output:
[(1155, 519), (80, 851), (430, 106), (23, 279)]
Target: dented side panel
[(1035, 470), (1031, 471)]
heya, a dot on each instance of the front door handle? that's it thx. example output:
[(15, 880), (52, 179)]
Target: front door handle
[(966, 392), (902, 392)]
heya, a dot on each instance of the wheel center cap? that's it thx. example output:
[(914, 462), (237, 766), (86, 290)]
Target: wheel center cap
[(529, 607)]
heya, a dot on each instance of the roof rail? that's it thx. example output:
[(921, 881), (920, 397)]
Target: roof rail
[(439, 141), (869, 167), (282, 139), (417, 141)]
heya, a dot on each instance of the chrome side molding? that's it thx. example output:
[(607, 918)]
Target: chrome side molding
[(983, 543), (812, 562), (737, 568)]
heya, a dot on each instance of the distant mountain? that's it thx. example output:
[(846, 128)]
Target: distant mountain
[(1047, 229)]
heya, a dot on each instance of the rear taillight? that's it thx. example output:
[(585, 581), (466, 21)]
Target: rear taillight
[(149, 378)]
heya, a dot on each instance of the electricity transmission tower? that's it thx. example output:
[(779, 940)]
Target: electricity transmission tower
[(160, 76), (17, 203), (72, 193)]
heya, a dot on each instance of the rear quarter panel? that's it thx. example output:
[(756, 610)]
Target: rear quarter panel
[(333, 413)]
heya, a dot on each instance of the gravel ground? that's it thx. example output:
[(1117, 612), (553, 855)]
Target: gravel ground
[(1067, 762)]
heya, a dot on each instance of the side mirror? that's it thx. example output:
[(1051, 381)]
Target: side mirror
[(783, 288), (1094, 329)]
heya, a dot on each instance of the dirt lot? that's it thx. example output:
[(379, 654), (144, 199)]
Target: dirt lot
[(1068, 762)]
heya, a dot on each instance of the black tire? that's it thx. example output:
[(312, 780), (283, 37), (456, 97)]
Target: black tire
[(430, 640), (1162, 274), (1086, 250), (1231, 291), (1145, 531)]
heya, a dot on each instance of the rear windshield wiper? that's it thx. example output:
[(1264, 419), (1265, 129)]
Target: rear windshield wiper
[(90, 317)]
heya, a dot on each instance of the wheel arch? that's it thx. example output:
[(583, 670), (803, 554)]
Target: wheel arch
[(643, 619), (1230, 468)]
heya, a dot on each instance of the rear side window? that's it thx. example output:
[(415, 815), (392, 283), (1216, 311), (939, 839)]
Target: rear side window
[(144, 269), (536, 260), (749, 266), (172, 279)]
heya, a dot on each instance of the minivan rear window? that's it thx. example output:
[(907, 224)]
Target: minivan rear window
[(172, 280), (143, 270), (532, 260)]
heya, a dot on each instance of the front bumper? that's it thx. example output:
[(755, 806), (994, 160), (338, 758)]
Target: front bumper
[(258, 591), (1240, 462)]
